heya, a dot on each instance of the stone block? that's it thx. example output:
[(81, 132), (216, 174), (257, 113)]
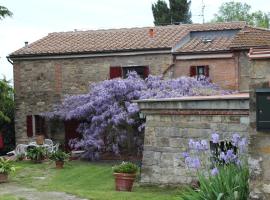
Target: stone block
[(162, 142)]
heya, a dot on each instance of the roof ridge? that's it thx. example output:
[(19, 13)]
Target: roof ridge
[(148, 27)]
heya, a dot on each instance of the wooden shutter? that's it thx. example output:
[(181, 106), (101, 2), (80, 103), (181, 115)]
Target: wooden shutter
[(206, 71), (193, 71), (29, 126), (145, 72), (115, 72)]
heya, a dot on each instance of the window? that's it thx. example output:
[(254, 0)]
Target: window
[(35, 124), (115, 72), (199, 71)]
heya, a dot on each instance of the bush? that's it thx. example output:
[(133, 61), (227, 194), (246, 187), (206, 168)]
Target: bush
[(125, 167), (59, 156), (230, 183), (223, 176), (37, 153), (6, 166)]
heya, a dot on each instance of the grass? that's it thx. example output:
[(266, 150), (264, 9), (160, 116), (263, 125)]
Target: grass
[(84, 179), (10, 197)]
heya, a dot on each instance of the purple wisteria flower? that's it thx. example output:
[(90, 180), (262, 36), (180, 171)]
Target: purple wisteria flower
[(214, 171), (107, 112), (215, 138)]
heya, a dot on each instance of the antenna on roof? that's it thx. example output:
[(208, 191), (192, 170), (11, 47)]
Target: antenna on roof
[(202, 13)]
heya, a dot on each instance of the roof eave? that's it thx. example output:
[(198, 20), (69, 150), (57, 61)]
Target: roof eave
[(202, 52), (92, 53)]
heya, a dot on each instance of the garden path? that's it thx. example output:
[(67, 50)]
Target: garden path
[(33, 194)]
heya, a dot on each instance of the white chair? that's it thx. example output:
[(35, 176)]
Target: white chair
[(21, 149), (48, 142), (53, 148)]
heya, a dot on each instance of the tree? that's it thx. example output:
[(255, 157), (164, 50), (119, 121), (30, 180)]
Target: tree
[(177, 12), (161, 13), (7, 114), (237, 11), (180, 11), (110, 121), (4, 12), (6, 102)]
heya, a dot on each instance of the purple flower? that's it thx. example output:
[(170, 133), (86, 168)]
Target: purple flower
[(215, 138), (228, 157), (194, 163), (214, 171), (107, 110), (185, 154), (235, 139), (242, 145), (191, 143), (204, 145)]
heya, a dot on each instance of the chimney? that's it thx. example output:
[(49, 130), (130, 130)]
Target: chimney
[(151, 32), (26, 43)]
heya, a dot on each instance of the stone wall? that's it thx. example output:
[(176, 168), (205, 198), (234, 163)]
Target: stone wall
[(39, 84), (244, 71), (259, 140), (170, 123)]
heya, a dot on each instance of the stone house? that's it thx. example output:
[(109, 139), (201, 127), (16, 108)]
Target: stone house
[(65, 63)]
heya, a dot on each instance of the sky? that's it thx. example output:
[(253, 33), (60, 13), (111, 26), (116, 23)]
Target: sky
[(34, 19)]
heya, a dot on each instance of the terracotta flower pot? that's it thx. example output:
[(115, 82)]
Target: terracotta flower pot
[(59, 164), (124, 182), (3, 178), (40, 139)]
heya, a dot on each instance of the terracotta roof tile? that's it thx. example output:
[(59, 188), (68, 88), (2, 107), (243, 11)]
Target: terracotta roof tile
[(251, 37), (117, 39), (202, 45)]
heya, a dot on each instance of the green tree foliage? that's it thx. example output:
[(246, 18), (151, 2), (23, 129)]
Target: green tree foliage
[(4, 12), (6, 102), (161, 13), (237, 11), (178, 11), (7, 113)]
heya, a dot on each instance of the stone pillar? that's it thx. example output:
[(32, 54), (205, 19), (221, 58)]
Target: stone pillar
[(170, 123), (259, 140)]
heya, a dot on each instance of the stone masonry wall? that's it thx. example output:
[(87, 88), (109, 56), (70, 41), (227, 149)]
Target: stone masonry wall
[(259, 140), (171, 123), (39, 84)]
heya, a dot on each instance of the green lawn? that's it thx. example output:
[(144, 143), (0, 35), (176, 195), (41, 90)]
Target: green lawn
[(85, 179)]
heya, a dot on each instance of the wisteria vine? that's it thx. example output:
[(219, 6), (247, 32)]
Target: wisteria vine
[(109, 119)]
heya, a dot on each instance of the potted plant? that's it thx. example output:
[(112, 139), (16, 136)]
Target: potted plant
[(125, 174), (59, 157), (37, 154), (6, 168)]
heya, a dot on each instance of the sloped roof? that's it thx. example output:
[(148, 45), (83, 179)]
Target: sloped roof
[(198, 44), (115, 40), (259, 53), (251, 37)]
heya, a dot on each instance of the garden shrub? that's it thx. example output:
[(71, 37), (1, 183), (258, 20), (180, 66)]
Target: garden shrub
[(110, 119)]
